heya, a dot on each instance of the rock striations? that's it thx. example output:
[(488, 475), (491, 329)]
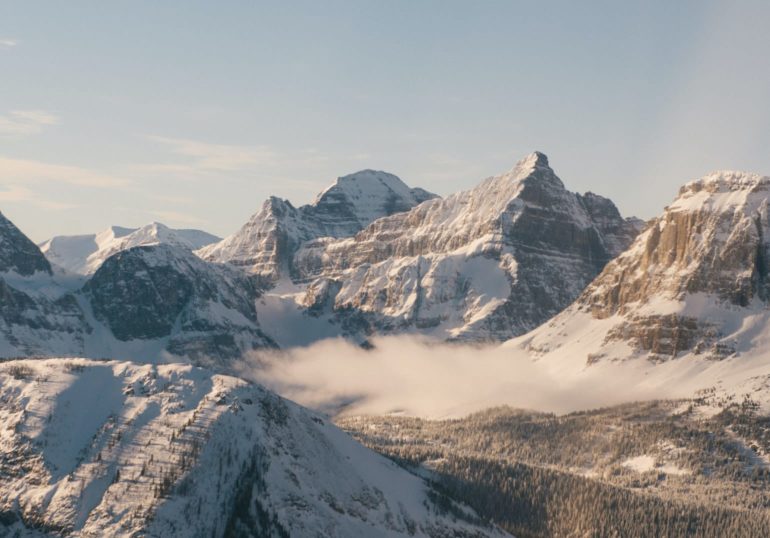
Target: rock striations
[(482, 265), (369, 256), (695, 282), (266, 244)]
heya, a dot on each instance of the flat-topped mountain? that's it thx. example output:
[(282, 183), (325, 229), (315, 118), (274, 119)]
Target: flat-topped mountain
[(696, 283)]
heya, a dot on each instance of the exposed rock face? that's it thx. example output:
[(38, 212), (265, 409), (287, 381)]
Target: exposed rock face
[(618, 233), (18, 253), (34, 324), (369, 255), (713, 239), (35, 315), (666, 336), (206, 311), (484, 264), (694, 282), (265, 245), (84, 254)]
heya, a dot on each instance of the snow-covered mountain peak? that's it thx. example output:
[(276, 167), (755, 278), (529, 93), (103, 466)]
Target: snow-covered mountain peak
[(461, 266), (712, 239), (364, 182), (525, 181), (84, 254), (366, 196), (724, 180), (723, 190), (532, 161), (266, 243), (111, 233)]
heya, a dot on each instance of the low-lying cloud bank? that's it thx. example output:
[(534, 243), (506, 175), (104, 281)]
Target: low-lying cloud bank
[(414, 377)]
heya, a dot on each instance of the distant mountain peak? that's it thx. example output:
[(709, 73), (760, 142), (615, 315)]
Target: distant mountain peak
[(460, 267), (536, 159), (267, 242), (364, 180), (84, 254)]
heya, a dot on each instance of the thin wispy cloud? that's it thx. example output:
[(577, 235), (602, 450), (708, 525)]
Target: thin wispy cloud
[(205, 156), (176, 217), (22, 171), (26, 122), (20, 194), (8, 43)]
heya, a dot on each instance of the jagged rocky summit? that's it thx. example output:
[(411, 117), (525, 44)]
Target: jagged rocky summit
[(266, 244), (480, 265)]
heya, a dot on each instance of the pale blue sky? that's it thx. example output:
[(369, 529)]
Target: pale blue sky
[(193, 112)]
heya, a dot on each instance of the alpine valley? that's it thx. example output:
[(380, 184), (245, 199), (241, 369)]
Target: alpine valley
[(125, 409)]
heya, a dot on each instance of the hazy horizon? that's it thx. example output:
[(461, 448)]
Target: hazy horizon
[(192, 115)]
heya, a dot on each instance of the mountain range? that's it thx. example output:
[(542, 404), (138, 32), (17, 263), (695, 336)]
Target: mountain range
[(95, 445), (369, 256)]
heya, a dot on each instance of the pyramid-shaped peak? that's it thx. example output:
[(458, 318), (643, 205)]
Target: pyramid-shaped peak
[(536, 159)]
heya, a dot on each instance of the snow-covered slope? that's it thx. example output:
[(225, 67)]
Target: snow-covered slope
[(84, 254), (483, 264), (265, 245), (694, 287), (114, 449)]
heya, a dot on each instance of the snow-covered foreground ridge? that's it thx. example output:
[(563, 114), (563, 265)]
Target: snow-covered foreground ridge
[(91, 448)]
